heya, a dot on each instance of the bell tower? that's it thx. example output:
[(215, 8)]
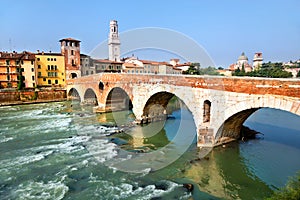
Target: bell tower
[(113, 42), (70, 49)]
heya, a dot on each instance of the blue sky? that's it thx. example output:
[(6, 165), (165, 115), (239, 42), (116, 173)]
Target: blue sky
[(223, 28)]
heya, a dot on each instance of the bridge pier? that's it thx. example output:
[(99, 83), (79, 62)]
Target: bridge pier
[(231, 99)]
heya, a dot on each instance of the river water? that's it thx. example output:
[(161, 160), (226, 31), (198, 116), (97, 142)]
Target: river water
[(64, 151)]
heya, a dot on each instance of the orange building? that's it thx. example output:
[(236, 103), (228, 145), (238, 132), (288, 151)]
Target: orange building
[(9, 66)]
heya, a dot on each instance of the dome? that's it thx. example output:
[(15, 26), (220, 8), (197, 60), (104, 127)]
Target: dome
[(243, 57)]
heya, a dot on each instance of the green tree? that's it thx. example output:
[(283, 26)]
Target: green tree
[(290, 192), (270, 70), (21, 80), (209, 71)]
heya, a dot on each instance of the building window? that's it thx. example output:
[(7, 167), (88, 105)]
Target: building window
[(48, 59), (73, 62), (22, 62), (39, 66), (87, 72), (54, 59), (55, 74), (206, 111), (32, 69), (49, 82), (39, 74), (92, 72), (7, 62), (52, 67), (56, 81), (44, 79), (63, 80), (32, 78), (32, 62), (33, 84), (62, 74), (72, 52), (55, 67), (51, 59), (7, 69), (48, 67), (38, 59), (8, 77)]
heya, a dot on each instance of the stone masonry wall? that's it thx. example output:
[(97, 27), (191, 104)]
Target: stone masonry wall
[(12, 96)]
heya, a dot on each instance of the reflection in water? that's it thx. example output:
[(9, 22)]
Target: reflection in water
[(47, 149)]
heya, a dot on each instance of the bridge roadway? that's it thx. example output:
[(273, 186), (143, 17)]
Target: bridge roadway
[(219, 105)]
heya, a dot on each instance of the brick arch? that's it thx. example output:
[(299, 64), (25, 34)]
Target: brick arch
[(73, 92), (80, 91), (237, 114), (181, 93), (89, 96), (108, 91)]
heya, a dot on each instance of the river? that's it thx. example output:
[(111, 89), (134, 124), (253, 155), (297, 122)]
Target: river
[(64, 151)]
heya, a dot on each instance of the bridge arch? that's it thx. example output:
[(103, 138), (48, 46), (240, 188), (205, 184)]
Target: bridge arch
[(118, 99), (158, 97), (90, 97), (237, 114), (73, 94), (157, 104)]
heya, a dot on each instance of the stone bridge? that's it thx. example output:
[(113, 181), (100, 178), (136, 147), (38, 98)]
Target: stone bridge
[(219, 105)]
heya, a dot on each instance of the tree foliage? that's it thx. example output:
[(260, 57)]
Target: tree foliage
[(195, 69), (290, 192), (270, 70), (21, 80)]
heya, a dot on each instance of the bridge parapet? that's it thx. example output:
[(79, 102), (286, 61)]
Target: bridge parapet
[(233, 99)]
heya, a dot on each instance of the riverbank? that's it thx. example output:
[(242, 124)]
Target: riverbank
[(14, 97), (15, 103)]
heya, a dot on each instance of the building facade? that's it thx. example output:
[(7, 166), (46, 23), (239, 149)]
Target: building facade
[(257, 61), (51, 70), (242, 63), (135, 66), (9, 69), (70, 49), (27, 70), (86, 65)]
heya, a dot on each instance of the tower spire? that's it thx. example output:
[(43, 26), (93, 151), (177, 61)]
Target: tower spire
[(113, 41)]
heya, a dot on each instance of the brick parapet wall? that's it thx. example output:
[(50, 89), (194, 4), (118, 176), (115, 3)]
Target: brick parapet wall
[(248, 85)]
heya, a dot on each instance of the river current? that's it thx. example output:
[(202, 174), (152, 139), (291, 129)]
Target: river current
[(65, 151)]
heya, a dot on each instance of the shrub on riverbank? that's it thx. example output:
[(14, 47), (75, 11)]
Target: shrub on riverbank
[(290, 192)]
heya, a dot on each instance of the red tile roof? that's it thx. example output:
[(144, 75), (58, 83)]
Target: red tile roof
[(132, 65), (69, 39)]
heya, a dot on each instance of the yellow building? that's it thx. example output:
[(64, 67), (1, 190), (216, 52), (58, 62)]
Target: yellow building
[(50, 68)]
